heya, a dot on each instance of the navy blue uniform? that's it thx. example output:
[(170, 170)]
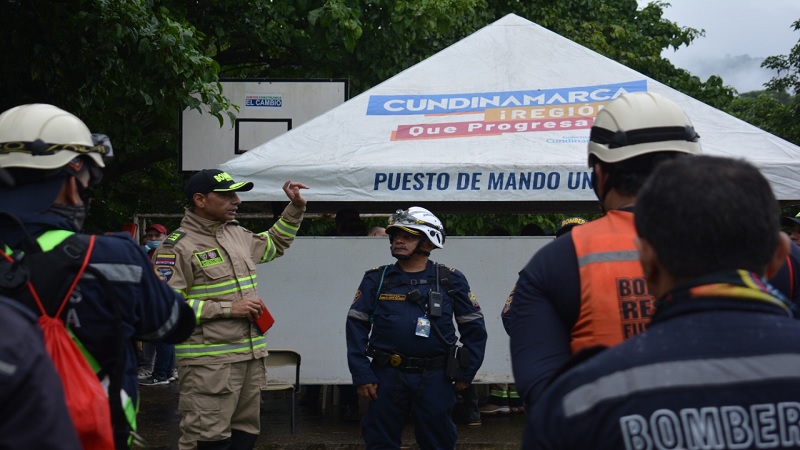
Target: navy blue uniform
[(545, 303), (149, 310), (787, 280), (33, 412), (539, 315), (389, 325), (711, 372)]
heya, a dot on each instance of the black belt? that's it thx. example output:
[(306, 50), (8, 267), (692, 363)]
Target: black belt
[(403, 362)]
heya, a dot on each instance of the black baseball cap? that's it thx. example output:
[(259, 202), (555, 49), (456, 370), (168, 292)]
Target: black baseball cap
[(213, 180), (789, 221), (567, 224)]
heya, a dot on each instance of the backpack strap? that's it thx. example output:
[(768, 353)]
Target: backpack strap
[(443, 278), (443, 272), (378, 293), (87, 253), (67, 256), (63, 255)]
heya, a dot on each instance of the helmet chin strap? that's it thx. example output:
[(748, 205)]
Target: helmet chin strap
[(416, 250), (600, 196), (400, 257)]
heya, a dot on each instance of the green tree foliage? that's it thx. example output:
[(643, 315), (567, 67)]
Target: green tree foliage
[(129, 67), (776, 109), (776, 112), (768, 112), (126, 68), (788, 67), (366, 41)]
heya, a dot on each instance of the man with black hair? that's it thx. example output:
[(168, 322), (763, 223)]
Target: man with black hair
[(400, 329), (719, 365), (586, 288), (211, 260)]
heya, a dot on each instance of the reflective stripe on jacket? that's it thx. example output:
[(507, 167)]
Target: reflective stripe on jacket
[(213, 264), (48, 241), (615, 302)]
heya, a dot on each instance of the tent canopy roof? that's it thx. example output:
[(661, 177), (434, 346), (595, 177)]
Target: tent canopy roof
[(497, 122)]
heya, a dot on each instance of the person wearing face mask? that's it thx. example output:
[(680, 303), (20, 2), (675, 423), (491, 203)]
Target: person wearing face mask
[(54, 162), (146, 351), (153, 236), (160, 354)]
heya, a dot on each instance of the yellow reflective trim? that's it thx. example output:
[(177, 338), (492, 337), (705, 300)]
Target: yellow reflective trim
[(131, 411), (86, 355), (209, 290), (269, 253), (286, 228), (246, 345), (50, 239), (47, 241)]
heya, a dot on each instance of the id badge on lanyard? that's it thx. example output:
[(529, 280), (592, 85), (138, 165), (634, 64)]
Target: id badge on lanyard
[(423, 327)]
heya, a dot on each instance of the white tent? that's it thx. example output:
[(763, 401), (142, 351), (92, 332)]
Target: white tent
[(502, 116)]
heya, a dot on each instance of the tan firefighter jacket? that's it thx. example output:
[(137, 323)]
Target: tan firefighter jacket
[(213, 264)]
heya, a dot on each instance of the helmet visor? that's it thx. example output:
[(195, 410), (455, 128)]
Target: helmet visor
[(102, 147), (402, 217)]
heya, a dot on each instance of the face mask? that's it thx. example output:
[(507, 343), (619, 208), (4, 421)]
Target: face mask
[(76, 214), (151, 245)]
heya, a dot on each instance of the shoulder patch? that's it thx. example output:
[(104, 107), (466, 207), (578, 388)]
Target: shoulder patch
[(164, 273), (452, 270), (374, 269), (447, 268), (173, 238)]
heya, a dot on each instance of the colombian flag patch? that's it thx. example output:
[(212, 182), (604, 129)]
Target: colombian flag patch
[(165, 259)]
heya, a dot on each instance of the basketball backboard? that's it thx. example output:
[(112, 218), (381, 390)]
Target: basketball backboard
[(267, 109)]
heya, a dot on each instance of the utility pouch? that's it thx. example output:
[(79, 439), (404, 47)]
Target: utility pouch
[(457, 362)]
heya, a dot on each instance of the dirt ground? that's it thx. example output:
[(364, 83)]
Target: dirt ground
[(317, 428)]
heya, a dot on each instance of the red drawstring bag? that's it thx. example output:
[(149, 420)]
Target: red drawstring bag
[(87, 401)]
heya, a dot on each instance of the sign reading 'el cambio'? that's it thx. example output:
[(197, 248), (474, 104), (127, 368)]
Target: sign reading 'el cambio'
[(562, 113)]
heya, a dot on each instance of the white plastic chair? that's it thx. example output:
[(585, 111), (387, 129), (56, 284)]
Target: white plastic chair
[(283, 358)]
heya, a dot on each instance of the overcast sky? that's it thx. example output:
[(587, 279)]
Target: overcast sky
[(739, 35)]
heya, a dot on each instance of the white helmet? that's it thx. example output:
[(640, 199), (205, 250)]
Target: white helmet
[(416, 220), (40, 136), (639, 123)]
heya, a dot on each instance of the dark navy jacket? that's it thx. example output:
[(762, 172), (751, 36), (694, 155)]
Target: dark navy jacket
[(707, 373), (149, 309), (545, 303), (395, 319), (33, 412)]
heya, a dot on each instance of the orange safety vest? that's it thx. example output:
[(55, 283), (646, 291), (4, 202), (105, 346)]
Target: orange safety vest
[(615, 301)]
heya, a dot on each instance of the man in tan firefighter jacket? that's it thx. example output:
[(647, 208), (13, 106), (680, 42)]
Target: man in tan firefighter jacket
[(212, 261)]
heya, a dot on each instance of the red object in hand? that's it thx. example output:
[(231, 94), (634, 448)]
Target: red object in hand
[(265, 320)]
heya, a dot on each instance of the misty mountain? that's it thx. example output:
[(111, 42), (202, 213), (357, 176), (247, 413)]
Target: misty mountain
[(743, 72)]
